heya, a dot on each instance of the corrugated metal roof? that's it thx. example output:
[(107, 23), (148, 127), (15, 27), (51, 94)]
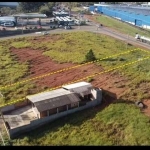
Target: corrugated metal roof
[(56, 102), (30, 15), (47, 95), (77, 85), (84, 90)]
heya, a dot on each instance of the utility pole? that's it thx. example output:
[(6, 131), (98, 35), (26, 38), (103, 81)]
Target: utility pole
[(127, 41), (22, 25)]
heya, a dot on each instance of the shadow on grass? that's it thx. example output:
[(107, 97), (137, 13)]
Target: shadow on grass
[(75, 119)]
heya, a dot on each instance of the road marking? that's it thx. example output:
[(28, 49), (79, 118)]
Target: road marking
[(95, 74), (65, 69)]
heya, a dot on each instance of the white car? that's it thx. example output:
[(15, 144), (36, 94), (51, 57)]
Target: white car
[(9, 24), (67, 27), (45, 33)]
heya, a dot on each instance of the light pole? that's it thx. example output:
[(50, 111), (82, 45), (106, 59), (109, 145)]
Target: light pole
[(127, 40), (22, 25)]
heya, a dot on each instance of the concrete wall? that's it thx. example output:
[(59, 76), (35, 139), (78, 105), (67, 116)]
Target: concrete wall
[(8, 108), (97, 94), (18, 32), (39, 122), (18, 105)]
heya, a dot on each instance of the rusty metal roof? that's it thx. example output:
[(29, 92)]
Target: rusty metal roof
[(56, 102)]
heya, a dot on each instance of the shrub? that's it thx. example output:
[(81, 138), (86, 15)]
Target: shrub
[(90, 56), (90, 79)]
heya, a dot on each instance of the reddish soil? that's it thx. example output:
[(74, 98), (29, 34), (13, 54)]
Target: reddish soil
[(40, 64), (111, 82), (147, 109)]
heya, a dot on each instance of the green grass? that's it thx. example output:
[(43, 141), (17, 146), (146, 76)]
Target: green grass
[(118, 124), (68, 47), (120, 26), (77, 9), (80, 43), (21, 44), (12, 71)]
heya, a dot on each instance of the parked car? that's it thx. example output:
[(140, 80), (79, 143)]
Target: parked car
[(68, 27), (39, 27), (45, 33), (8, 24)]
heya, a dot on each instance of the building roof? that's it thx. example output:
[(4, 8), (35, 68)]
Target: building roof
[(101, 5), (47, 95), (10, 18), (56, 102), (77, 85), (29, 15), (60, 97)]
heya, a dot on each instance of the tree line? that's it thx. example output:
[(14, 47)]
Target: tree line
[(43, 7)]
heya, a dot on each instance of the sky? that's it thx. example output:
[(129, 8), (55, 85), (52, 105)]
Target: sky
[(9, 3)]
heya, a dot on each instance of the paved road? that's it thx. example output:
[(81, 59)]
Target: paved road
[(93, 28)]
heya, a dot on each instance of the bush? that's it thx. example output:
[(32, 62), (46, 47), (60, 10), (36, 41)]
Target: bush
[(90, 56), (45, 10), (90, 79)]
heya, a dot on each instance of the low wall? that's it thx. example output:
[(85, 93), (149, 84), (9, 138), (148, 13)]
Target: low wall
[(18, 105), (18, 32), (39, 122), (8, 108)]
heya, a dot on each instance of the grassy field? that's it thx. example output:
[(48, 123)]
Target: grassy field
[(12, 71), (120, 26), (80, 42), (56, 47), (77, 9), (118, 124)]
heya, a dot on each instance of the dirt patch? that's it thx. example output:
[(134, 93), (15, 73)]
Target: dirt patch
[(40, 64), (146, 111)]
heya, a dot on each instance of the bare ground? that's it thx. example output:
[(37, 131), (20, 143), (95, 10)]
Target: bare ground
[(39, 64)]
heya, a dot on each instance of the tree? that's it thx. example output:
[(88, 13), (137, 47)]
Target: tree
[(7, 11), (90, 56), (70, 5), (30, 6), (47, 8)]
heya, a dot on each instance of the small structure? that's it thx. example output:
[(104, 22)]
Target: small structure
[(48, 103), (30, 16), (137, 36), (45, 107)]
